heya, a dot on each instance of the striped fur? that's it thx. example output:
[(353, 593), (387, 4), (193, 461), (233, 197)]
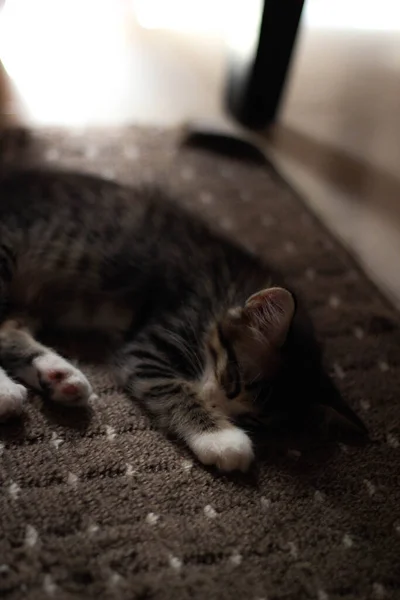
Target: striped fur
[(200, 345)]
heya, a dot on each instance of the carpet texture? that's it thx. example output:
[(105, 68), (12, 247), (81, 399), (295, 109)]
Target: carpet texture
[(106, 507)]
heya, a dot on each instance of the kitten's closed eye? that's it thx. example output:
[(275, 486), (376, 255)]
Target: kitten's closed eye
[(230, 380), (230, 377)]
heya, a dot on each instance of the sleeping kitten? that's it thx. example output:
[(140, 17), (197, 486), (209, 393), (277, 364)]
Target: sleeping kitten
[(208, 334)]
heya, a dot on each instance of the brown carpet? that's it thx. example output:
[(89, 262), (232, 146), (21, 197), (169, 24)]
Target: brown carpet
[(106, 507)]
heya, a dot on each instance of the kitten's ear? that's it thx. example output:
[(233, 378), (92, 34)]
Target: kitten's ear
[(336, 418), (271, 312), (337, 426)]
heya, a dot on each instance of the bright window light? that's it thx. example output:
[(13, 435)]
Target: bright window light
[(57, 52), (367, 15)]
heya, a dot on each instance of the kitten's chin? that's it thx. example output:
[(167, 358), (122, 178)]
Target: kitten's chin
[(228, 449)]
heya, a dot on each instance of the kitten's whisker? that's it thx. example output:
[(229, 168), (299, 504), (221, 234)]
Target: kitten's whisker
[(186, 350), (255, 378)]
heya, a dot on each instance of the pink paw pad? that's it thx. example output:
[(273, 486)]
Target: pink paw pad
[(70, 389), (56, 375)]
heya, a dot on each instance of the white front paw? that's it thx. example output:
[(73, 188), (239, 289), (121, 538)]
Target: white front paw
[(229, 449), (12, 398)]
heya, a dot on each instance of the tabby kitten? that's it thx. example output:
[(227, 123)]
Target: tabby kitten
[(207, 334)]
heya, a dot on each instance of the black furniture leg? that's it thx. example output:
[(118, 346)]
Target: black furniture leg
[(255, 82)]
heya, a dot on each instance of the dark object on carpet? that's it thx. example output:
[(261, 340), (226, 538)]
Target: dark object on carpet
[(225, 143), (102, 505)]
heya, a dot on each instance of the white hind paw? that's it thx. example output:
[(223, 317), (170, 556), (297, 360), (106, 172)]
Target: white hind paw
[(228, 449), (63, 382), (12, 398)]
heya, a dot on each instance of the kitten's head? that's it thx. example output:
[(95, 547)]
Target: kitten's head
[(264, 363)]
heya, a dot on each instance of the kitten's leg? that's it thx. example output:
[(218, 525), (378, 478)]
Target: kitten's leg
[(179, 408), (12, 396), (40, 367)]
